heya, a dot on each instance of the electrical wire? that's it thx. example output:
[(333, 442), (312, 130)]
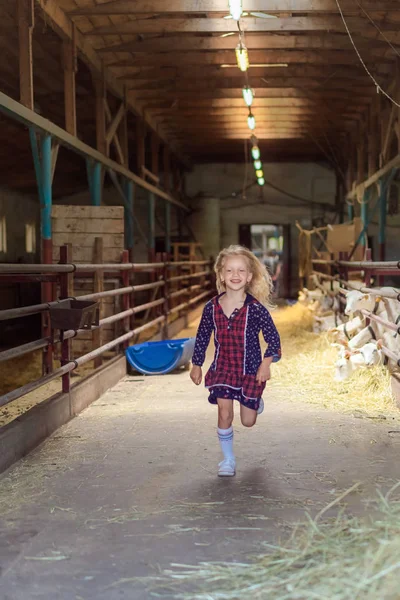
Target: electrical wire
[(378, 86), (305, 201), (378, 28)]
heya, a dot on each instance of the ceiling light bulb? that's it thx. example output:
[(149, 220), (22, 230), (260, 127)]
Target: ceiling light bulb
[(257, 165), (242, 57), (251, 121), (261, 181), (255, 152), (235, 9), (248, 95), (259, 173)]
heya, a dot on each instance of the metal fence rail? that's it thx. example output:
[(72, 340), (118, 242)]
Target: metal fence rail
[(158, 310), (339, 272)]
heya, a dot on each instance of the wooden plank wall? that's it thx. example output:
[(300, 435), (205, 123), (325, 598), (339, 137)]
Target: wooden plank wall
[(80, 226)]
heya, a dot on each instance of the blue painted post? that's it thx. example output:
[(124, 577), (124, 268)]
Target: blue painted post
[(45, 194), (167, 227), (152, 227), (45, 184), (94, 173), (128, 212), (350, 211), (364, 216)]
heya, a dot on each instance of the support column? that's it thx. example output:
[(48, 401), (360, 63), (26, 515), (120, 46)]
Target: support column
[(128, 213), (350, 211), (100, 91), (167, 168), (155, 149), (26, 22), (167, 227), (44, 177), (364, 217), (95, 179), (70, 64), (140, 147), (151, 227), (383, 189)]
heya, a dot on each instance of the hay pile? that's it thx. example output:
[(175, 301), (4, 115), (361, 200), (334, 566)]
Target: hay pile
[(344, 558), (307, 368)]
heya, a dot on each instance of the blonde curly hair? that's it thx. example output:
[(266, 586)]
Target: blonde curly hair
[(260, 286)]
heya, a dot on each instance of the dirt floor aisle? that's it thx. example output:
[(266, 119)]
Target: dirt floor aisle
[(130, 487)]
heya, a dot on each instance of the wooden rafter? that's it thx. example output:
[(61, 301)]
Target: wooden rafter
[(220, 25), (26, 22), (127, 7)]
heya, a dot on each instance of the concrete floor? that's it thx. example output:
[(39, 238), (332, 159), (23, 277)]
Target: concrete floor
[(130, 486)]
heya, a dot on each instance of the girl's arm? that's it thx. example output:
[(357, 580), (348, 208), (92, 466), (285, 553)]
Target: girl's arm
[(271, 336), (203, 335)]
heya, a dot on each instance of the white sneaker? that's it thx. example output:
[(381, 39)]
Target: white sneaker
[(260, 407), (227, 468)]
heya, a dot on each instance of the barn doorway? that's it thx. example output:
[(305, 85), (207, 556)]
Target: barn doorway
[(271, 244)]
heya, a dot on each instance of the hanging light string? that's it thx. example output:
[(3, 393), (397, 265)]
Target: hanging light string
[(378, 87), (242, 58)]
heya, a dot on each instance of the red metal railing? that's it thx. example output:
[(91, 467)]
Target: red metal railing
[(158, 311)]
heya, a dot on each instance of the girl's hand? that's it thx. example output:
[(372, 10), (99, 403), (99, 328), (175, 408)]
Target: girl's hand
[(264, 371), (196, 374)]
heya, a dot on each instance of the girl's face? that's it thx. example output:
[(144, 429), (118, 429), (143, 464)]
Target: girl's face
[(236, 273)]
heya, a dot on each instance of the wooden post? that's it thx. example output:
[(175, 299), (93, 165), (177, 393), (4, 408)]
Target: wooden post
[(151, 226), (140, 146), (100, 91), (123, 134), (167, 168), (360, 163), (125, 297), (98, 287), (66, 280), (155, 149), (372, 141), (26, 23), (70, 64)]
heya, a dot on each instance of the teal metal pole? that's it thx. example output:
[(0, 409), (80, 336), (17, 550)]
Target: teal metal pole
[(128, 212), (350, 211), (152, 226), (95, 179), (45, 184), (364, 216), (167, 227)]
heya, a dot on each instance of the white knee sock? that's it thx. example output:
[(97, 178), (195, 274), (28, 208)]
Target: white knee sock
[(225, 437)]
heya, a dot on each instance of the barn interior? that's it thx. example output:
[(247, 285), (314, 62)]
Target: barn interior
[(138, 139)]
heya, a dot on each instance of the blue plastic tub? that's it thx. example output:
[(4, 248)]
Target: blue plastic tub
[(159, 358)]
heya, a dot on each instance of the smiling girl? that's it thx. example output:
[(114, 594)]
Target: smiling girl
[(238, 371)]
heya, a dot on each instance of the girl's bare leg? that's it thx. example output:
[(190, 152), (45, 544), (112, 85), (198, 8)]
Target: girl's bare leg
[(248, 416)]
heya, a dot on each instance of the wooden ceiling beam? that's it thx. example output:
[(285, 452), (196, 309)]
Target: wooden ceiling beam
[(332, 23), (306, 82), (200, 76), (65, 27), (127, 7), (192, 97), (254, 41), (235, 104), (313, 57)]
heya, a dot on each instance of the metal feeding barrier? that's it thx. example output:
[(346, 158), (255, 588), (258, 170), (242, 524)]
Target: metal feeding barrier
[(174, 289), (340, 270)]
